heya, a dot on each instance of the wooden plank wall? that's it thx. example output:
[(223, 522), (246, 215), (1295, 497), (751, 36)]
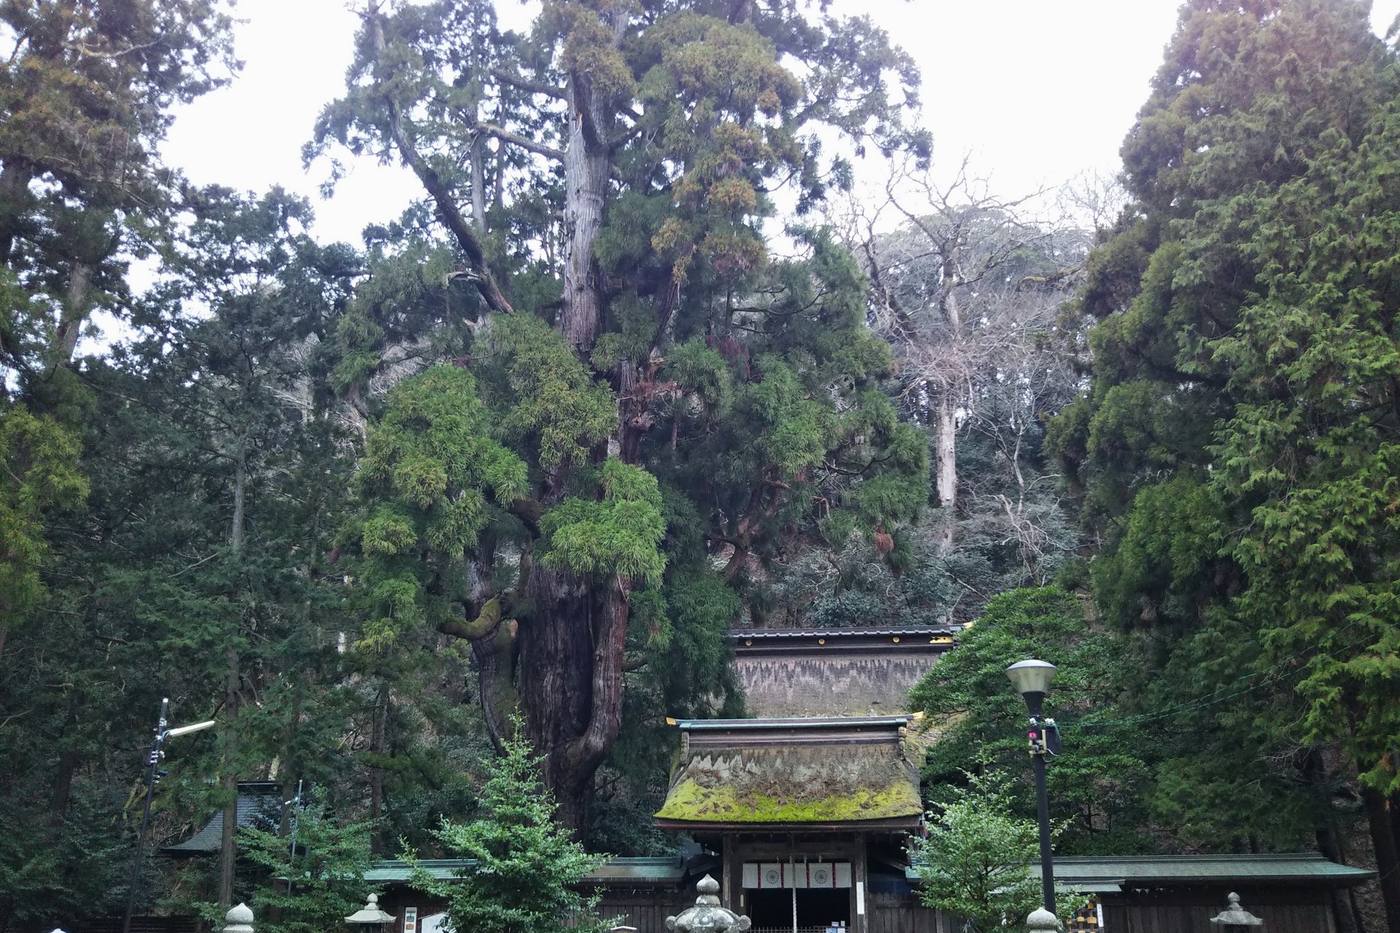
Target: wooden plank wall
[(896, 913), (644, 910), (1304, 910)]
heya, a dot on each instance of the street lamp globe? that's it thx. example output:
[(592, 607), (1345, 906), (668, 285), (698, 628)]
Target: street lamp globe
[(1032, 680)]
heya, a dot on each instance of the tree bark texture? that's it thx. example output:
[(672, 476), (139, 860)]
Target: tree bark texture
[(378, 742), (946, 460), (586, 170), (1381, 824), (478, 162), (15, 175), (76, 300), (571, 668), (228, 854)]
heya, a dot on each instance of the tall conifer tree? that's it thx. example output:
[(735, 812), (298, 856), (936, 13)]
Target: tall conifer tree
[(678, 401), (1238, 447)]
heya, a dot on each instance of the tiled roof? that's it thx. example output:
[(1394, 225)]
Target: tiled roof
[(660, 870), (259, 803), (790, 724), (739, 634), (1114, 873)]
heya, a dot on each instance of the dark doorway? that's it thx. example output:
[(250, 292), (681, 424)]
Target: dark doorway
[(770, 909), (817, 908), (820, 908)]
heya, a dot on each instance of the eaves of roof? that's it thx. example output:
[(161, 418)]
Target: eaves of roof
[(1112, 873), (658, 870)]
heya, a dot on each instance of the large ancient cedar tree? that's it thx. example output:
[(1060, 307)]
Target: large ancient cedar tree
[(640, 402)]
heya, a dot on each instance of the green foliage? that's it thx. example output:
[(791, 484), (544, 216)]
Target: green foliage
[(524, 869), (618, 533), (432, 479), (318, 885), (549, 401), (39, 460), (1097, 783), (1239, 441), (973, 862), (84, 90), (683, 354)]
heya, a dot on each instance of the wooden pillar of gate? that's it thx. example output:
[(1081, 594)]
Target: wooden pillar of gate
[(860, 888), (731, 874)]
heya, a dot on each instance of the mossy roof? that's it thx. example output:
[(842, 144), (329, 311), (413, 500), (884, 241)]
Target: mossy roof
[(796, 774)]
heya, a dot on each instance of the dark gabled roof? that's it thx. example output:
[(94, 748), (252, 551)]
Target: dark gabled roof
[(259, 803), (851, 772), (660, 870), (739, 634), (792, 724), (1108, 874)]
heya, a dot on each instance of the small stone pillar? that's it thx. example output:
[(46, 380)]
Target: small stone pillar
[(239, 919), (1042, 921), (707, 916)]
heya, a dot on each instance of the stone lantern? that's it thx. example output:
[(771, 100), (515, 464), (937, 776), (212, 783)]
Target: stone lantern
[(707, 916), (239, 919), (370, 917), (1235, 917)]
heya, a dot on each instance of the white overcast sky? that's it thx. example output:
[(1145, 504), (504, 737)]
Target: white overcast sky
[(1037, 91)]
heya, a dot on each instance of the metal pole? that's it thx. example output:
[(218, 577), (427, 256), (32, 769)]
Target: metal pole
[(1042, 806), (296, 827), (152, 764)]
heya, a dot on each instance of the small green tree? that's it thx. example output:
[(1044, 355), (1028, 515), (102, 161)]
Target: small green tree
[(523, 868), (973, 861), (326, 871)]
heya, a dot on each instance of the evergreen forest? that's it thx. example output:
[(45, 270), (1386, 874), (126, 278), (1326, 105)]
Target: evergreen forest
[(690, 327)]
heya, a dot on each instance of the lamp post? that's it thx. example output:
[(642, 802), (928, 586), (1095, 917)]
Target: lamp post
[(153, 775), (1032, 680)]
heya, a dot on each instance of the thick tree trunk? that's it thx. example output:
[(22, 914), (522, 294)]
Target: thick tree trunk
[(15, 175), (555, 672), (478, 160), (68, 763), (228, 835), (571, 667), (946, 460), (228, 853), (378, 742), (1379, 818), (74, 312), (1329, 842), (586, 169), (571, 646)]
